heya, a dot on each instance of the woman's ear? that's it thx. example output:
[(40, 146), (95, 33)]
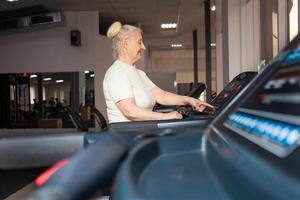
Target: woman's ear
[(123, 45), (125, 42)]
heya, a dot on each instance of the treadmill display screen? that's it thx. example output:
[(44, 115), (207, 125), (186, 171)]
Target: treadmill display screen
[(271, 116)]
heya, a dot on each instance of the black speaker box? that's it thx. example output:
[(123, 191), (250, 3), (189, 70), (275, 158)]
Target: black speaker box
[(75, 38)]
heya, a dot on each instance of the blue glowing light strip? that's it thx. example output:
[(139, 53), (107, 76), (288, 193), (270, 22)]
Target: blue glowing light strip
[(293, 56), (280, 133)]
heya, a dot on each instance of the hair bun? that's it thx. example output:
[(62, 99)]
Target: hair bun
[(114, 29)]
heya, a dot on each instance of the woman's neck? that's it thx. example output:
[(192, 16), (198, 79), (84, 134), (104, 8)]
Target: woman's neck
[(126, 60)]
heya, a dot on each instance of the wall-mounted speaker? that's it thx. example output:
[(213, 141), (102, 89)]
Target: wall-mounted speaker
[(75, 38)]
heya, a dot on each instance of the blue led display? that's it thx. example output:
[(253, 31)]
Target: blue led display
[(278, 132), (293, 56)]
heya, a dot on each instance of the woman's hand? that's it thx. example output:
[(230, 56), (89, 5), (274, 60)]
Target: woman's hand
[(173, 115), (198, 104)]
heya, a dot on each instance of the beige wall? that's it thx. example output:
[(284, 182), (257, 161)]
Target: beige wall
[(176, 60), (182, 62)]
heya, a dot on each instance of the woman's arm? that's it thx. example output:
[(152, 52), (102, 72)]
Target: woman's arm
[(131, 111), (168, 98)]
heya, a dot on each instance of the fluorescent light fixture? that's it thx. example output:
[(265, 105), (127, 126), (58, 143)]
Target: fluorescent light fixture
[(213, 8), (92, 75), (176, 45), (33, 76), (47, 79), (59, 81), (86, 72), (11, 1), (168, 26), (213, 44)]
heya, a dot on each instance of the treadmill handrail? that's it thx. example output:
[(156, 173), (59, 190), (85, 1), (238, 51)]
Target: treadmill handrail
[(197, 90), (76, 119), (99, 118), (88, 171), (150, 124)]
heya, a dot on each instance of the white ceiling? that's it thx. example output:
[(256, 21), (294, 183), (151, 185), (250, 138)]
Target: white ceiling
[(189, 14)]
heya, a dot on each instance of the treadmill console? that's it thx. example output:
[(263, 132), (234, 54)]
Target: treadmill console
[(225, 96), (232, 89), (270, 116)]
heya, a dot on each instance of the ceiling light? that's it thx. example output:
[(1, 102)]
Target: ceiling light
[(168, 26), (47, 79), (92, 75), (176, 45), (59, 81), (33, 76), (11, 1), (86, 72), (213, 44), (213, 8)]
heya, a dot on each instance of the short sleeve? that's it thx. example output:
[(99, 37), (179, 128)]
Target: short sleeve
[(147, 80), (119, 86)]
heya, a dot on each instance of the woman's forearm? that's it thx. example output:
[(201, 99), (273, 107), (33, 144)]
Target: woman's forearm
[(139, 114), (174, 99), (131, 111), (168, 98)]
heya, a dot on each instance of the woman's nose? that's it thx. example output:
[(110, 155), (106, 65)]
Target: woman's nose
[(143, 46)]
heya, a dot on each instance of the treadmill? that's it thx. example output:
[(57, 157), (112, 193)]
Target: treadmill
[(250, 151)]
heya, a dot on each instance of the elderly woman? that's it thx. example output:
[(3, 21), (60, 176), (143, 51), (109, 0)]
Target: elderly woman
[(129, 94)]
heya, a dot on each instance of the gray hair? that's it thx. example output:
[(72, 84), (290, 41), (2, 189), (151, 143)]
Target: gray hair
[(117, 32)]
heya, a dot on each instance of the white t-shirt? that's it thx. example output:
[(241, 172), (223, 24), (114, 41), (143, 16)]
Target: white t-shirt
[(124, 81)]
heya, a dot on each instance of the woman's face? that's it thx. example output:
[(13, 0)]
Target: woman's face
[(135, 46)]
